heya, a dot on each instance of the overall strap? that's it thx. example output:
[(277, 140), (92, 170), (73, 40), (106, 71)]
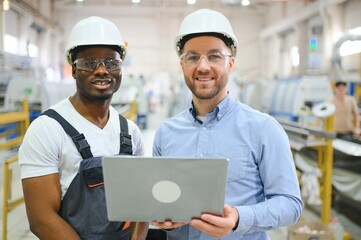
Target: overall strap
[(125, 138), (78, 138)]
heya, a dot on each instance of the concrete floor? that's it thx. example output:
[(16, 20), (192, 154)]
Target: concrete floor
[(18, 228)]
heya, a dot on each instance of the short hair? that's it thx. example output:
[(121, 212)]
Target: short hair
[(339, 83), (228, 41)]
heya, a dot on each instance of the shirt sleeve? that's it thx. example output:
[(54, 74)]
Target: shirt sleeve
[(38, 153), (282, 205), (137, 139), (156, 143)]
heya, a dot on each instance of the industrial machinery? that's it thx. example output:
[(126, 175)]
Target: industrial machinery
[(347, 179), (293, 98), (22, 85), (299, 104), (258, 94)]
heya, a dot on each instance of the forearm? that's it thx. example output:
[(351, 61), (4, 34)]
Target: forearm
[(139, 231), (356, 116), (357, 122), (53, 227), (42, 200), (356, 130)]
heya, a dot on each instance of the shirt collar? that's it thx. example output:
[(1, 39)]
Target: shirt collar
[(217, 112), (194, 115)]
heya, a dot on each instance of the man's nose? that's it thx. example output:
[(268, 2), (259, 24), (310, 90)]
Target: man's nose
[(101, 68)]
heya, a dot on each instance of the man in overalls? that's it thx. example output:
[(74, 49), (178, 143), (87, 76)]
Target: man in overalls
[(60, 157)]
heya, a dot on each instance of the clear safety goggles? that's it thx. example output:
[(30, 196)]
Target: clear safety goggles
[(91, 64), (213, 58)]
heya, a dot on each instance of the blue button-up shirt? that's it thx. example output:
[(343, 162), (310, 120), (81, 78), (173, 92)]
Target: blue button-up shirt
[(262, 182)]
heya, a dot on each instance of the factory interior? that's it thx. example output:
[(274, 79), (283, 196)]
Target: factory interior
[(291, 53)]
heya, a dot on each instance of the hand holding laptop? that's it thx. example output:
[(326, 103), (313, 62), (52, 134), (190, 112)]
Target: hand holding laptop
[(168, 225), (215, 226)]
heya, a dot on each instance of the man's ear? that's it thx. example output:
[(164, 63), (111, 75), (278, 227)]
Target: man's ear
[(231, 64), (181, 65), (73, 70)]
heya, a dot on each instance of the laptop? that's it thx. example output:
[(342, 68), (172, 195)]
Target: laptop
[(144, 189)]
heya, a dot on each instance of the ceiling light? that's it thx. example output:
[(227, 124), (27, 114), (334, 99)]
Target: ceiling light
[(230, 2), (135, 1), (350, 47), (245, 2), (79, 0), (191, 2), (6, 5), (355, 31), (295, 56)]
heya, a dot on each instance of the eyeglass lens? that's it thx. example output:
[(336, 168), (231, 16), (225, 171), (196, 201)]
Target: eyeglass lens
[(110, 64), (212, 57)]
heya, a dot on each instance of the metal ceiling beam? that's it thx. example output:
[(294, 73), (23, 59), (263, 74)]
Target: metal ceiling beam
[(289, 22), (41, 20)]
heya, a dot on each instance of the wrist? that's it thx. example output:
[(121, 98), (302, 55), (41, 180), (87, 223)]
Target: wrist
[(167, 229), (236, 225)]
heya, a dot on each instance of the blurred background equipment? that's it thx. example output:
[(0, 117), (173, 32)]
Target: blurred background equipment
[(290, 55)]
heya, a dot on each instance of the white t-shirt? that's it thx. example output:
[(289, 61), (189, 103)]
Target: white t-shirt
[(47, 148)]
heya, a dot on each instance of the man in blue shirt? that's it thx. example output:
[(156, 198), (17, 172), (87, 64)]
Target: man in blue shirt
[(262, 188)]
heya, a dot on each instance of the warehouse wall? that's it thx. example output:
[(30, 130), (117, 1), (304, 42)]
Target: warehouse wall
[(326, 23), (149, 31), (151, 34), (265, 37)]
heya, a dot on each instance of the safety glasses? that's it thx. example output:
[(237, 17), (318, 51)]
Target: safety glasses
[(91, 64), (213, 58)]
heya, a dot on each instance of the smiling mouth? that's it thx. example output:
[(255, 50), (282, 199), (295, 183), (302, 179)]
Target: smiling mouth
[(204, 79), (101, 82)]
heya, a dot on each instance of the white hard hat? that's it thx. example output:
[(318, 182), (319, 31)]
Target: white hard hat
[(206, 22), (94, 31)]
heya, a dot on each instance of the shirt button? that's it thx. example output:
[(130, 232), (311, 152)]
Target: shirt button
[(219, 115), (204, 128)]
